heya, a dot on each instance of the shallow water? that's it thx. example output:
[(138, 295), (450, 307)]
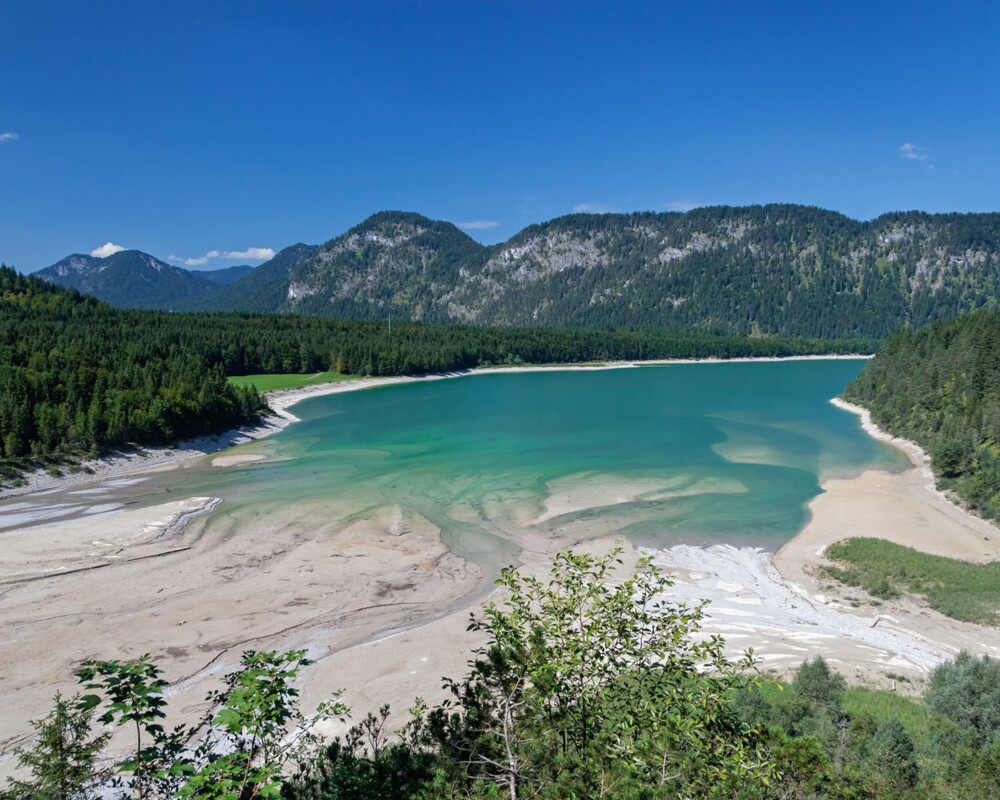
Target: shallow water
[(698, 453), (695, 453)]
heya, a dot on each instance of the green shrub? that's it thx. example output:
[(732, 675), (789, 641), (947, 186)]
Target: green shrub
[(967, 691)]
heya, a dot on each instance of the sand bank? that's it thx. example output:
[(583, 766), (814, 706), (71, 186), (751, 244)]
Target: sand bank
[(125, 584), (788, 610)]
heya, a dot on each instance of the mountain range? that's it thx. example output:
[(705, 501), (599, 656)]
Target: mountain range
[(756, 270)]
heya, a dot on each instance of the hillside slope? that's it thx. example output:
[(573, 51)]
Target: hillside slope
[(759, 270), (225, 275), (128, 279), (262, 289), (773, 270), (941, 387)]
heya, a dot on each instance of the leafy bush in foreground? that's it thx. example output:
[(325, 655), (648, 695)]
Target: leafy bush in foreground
[(586, 688)]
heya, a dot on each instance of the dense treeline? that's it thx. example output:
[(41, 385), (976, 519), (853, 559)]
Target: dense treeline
[(941, 387), (817, 738), (834, 743), (77, 375)]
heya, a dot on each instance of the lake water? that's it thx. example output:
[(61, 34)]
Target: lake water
[(700, 453)]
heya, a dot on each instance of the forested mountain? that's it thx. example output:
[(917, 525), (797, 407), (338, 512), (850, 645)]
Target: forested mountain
[(128, 279), (941, 387), (784, 270), (260, 290), (759, 270)]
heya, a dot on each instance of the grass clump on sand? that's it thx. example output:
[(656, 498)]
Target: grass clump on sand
[(274, 382), (958, 589)]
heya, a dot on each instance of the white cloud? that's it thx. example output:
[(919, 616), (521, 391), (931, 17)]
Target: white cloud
[(106, 250), (195, 262), (592, 208), (10, 136), (684, 205), (250, 254), (478, 225), (913, 152)]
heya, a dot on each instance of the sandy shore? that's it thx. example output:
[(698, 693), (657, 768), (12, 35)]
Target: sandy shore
[(124, 584), (787, 610)]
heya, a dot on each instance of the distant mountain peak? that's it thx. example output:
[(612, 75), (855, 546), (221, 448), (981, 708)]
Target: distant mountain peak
[(127, 279), (71, 265)]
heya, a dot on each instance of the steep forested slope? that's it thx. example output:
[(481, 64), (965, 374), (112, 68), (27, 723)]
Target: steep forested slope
[(759, 270), (941, 387), (772, 270)]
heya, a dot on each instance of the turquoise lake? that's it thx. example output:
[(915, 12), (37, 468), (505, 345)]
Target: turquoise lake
[(699, 453)]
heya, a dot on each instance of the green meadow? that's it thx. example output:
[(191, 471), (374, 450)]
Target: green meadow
[(291, 380), (959, 589)]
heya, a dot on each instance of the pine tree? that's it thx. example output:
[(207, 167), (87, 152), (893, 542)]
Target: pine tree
[(62, 764)]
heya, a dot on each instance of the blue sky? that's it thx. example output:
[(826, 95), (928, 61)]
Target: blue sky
[(185, 129)]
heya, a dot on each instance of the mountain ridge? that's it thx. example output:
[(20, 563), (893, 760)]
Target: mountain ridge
[(778, 269), (128, 279)]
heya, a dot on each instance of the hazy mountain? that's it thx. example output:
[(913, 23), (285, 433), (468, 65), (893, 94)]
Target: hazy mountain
[(224, 276), (128, 279), (262, 289)]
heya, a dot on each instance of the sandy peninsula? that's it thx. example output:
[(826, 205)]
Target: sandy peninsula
[(383, 606)]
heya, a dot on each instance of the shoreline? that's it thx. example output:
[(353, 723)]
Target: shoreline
[(917, 455), (151, 458), (382, 606), (789, 610)]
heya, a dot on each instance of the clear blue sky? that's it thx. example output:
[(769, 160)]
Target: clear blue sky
[(187, 128)]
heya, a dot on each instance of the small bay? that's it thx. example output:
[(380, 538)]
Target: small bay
[(659, 454)]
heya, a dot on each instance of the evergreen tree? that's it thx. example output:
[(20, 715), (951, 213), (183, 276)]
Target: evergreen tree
[(62, 762)]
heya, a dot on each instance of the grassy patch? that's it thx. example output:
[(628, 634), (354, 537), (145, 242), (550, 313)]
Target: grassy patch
[(958, 589), (270, 383), (877, 586), (883, 705)]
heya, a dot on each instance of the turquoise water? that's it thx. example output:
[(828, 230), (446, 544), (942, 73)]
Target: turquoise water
[(698, 453)]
